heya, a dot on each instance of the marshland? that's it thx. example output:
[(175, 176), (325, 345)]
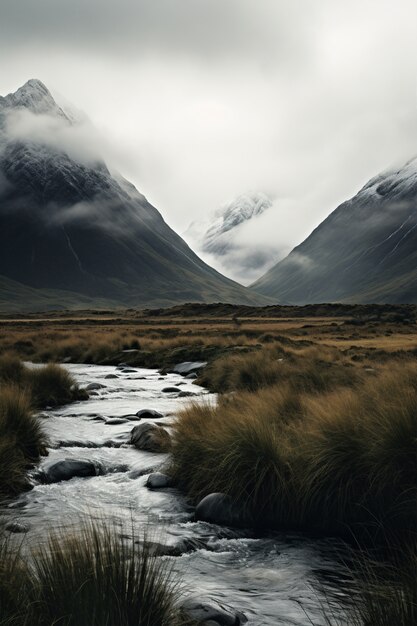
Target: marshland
[(302, 420)]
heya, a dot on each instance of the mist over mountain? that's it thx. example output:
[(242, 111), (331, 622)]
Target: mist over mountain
[(365, 251), (68, 224), (227, 238)]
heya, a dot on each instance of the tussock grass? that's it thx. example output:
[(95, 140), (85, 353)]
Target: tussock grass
[(52, 385), (49, 385), (22, 440), (307, 370), (384, 590), (89, 578), (337, 462)]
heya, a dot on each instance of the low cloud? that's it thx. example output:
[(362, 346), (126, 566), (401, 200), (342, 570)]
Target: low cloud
[(80, 141)]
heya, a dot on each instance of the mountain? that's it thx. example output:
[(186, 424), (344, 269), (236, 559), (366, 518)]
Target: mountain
[(365, 251), (70, 229), (226, 239)]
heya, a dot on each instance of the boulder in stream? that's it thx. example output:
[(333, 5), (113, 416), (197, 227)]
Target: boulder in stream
[(94, 386), (149, 414), (187, 367), (158, 480), (219, 508), (150, 437), (170, 390), (17, 527), (69, 468), (211, 612)]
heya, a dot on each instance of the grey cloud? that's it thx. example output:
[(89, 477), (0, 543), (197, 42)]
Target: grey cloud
[(206, 98), (80, 141), (200, 28)]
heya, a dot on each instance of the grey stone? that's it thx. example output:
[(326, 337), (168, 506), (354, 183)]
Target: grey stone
[(116, 420), (94, 386), (149, 414), (189, 366), (219, 508), (212, 612), (69, 468), (170, 390), (157, 480), (111, 376), (186, 394), (17, 527), (151, 437), (191, 376)]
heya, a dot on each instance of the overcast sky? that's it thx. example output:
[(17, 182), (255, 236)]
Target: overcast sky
[(203, 100)]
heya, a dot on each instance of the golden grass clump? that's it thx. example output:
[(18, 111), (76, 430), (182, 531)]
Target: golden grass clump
[(48, 385), (308, 370), (90, 578), (341, 461), (22, 440)]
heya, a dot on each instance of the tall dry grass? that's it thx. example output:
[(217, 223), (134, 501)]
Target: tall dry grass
[(49, 385), (306, 370), (89, 578), (343, 461), (22, 440)]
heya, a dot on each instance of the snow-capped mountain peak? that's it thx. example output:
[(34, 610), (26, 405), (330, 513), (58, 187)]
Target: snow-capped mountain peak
[(36, 98), (223, 237), (242, 209)]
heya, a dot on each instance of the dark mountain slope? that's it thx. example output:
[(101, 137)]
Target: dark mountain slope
[(69, 224), (365, 251)]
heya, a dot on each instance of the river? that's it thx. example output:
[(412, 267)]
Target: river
[(275, 579)]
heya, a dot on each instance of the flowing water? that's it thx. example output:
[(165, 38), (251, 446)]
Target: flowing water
[(273, 579)]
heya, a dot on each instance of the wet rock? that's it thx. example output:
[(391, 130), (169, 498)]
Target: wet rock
[(111, 376), (94, 387), (137, 473), (206, 613), (219, 508), (150, 437), (17, 527), (170, 390), (130, 417), (129, 371), (93, 393), (185, 546), (149, 414), (157, 480), (187, 367), (191, 376), (69, 468), (116, 420), (186, 394)]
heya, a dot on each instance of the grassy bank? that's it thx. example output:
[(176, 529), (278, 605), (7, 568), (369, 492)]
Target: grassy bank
[(90, 578), (318, 457), (49, 385), (22, 440)]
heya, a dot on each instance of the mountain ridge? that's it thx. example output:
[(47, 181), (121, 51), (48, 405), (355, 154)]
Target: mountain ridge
[(71, 225), (364, 251)]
